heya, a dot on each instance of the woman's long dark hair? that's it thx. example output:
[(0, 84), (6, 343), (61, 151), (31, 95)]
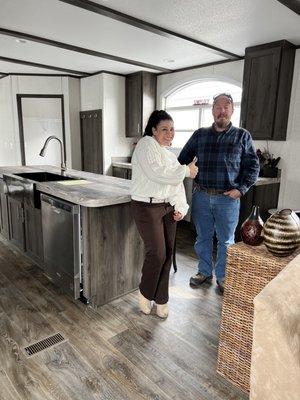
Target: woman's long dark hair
[(154, 120)]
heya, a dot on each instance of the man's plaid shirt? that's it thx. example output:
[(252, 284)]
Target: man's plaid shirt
[(226, 160)]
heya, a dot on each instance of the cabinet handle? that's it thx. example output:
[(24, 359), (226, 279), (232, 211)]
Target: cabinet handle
[(138, 128), (22, 215)]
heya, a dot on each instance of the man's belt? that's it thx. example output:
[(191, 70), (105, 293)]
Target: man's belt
[(211, 191)]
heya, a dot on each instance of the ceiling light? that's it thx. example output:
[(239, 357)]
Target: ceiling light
[(168, 60), (21, 41)]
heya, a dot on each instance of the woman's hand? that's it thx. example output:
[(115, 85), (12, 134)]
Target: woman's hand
[(177, 216), (193, 168)]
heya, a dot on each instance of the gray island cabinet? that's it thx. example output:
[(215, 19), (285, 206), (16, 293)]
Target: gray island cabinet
[(111, 250)]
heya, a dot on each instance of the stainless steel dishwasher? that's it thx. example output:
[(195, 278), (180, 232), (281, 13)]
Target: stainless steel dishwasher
[(62, 243)]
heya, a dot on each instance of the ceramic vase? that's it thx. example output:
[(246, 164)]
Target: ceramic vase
[(281, 233), (251, 229)]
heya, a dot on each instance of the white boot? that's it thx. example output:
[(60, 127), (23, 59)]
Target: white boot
[(145, 304), (162, 310)]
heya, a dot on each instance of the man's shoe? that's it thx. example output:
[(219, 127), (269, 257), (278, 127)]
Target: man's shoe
[(221, 286), (199, 278)]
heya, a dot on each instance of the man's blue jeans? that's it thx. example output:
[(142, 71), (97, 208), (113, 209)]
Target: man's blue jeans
[(214, 213)]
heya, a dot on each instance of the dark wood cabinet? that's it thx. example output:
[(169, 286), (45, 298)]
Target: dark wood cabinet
[(120, 172), (16, 222), (21, 223), (91, 141), (33, 233), (264, 196), (267, 84), (140, 101), (4, 224)]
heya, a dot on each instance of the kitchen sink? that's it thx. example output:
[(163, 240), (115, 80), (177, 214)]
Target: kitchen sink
[(44, 176), (22, 187)]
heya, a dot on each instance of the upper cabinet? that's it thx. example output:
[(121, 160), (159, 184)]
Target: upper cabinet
[(267, 84), (140, 101)]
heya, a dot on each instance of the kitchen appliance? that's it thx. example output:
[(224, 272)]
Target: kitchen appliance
[(62, 243)]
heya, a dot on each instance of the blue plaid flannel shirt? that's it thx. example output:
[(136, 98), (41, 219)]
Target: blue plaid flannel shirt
[(226, 160)]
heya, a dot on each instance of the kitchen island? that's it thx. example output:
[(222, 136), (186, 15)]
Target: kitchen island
[(111, 250)]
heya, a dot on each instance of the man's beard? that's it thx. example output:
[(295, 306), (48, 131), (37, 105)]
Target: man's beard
[(222, 123)]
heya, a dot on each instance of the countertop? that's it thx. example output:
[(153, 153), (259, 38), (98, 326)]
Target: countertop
[(260, 181), (97, 191), (120, 164)]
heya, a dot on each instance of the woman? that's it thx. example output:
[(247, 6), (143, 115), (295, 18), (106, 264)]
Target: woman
[(158, 201)]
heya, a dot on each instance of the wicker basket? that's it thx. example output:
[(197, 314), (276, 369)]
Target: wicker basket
[(248, 271)]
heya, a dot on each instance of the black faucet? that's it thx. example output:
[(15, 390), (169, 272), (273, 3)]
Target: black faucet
[(62, 152)]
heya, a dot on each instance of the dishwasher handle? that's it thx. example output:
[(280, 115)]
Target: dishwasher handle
[(57, 204), (56, 209)]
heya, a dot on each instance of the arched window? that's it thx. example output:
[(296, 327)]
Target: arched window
[(190, 107)]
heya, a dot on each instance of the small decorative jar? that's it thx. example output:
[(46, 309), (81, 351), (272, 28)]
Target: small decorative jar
[(281, 233), (251, 229)]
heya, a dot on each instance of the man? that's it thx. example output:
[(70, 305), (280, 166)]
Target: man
[(228, 167)]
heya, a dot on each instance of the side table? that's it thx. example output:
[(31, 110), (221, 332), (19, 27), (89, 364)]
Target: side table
[(249, 269)]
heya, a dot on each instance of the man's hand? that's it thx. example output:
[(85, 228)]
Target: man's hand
[(193, 168), (177, 216), (233, 193)]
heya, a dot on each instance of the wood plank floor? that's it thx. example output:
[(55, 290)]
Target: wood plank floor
[(115, 352)]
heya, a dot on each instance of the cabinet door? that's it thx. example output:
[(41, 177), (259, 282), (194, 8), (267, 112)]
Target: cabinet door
[(16, 222), (260, 84), (267, 84), (91, 141), (188, 185), (119, 172), (4, 224), (266, 197), (33, 233), (133, 105), (149, 97)]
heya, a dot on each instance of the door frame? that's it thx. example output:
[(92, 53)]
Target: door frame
[(20, 96)]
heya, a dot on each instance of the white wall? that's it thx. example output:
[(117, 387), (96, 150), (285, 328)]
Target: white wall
[(9, 133), (91, 93), (9, 143), (71, 91), (116, 144), (229, 72), (288, 150), (107, 91)]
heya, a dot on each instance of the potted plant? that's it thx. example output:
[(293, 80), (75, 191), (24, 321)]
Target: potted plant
[(268, 164)]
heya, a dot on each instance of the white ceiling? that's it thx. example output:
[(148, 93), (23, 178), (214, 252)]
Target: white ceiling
[(232, 26)]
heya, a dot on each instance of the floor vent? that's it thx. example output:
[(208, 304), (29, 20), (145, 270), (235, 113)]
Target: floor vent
[(44, 344)]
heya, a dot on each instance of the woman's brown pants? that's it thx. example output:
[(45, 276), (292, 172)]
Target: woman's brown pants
[(157, 228)]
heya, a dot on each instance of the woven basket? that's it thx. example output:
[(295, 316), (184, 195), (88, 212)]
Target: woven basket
[(248, 271)]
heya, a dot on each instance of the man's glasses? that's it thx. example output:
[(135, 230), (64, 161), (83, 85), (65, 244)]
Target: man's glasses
[(227, 95)]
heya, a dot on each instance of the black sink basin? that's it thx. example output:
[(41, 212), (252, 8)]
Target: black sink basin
[(44, 176), (22, 187)]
